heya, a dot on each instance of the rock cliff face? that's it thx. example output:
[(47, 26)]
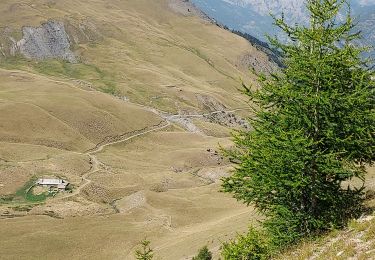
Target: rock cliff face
[(50, 40)]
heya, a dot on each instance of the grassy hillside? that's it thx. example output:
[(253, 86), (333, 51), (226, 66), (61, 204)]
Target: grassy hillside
[(140, 49), (133, 126), (355, 242)]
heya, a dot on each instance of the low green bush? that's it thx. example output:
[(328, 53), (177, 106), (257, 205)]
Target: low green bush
[(254, 245), (203, 254)]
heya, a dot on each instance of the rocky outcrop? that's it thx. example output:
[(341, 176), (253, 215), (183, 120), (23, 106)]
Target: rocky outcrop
[(209, 103), (258, 63), (48, 41), (51, 40)]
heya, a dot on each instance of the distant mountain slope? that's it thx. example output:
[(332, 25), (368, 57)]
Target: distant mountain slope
[(252, 16), (145, 57)]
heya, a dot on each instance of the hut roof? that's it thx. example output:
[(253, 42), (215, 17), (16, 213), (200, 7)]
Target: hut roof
[(51, 182)]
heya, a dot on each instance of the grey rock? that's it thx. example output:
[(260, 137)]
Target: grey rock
[(48, 41)]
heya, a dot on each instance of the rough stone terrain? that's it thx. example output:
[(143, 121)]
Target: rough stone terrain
[(259, 64), (48, 41), (355, 242)]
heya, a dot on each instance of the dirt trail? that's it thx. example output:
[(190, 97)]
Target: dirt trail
[(95, 163), (72, 83)]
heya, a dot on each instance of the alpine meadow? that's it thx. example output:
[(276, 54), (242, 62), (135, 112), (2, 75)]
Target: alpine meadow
[(174, 130)]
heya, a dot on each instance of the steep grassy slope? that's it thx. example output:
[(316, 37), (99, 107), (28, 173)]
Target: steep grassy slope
[(145, 52), (134, 126), (355, 242), (43, 118), (37, 110)]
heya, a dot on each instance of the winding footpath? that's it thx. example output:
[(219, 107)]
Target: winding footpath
[(168, 120), (95, 163)]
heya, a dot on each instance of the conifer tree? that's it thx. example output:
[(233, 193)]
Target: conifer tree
[(313, 129), (145, 252)]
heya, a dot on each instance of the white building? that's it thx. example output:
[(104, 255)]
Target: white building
[(53, 183)]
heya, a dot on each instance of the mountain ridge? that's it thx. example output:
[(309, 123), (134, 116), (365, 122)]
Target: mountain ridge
[(253, 16)]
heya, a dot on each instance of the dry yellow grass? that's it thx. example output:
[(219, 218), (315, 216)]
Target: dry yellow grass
[(163, 184), (355, 242), (154, 56), (37, 110), (187, 213)]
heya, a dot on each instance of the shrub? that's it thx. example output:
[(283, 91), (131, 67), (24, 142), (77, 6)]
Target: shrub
[(204, 254), (253, 246)]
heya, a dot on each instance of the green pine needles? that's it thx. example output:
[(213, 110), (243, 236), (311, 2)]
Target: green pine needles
[(313, 130), (144, 252)]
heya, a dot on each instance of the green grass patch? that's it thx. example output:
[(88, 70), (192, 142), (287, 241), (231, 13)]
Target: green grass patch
[(25, 195), (22, 208), (101, 80), (5, 199), (110, 88)]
